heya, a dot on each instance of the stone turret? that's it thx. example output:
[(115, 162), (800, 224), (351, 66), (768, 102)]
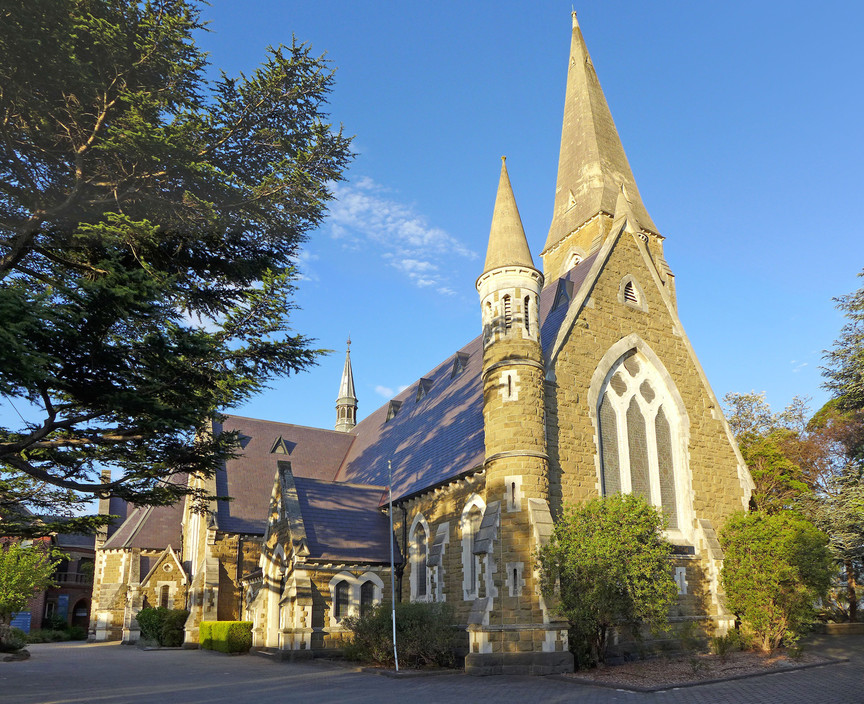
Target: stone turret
[(346, 404), (510, 630)]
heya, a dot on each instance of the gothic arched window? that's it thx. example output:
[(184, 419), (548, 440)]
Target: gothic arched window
[(419, 556), (639, 432), (367, 597), (341, 599), (164, 594)]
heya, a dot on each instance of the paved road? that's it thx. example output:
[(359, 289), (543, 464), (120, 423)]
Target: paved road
[(77, 673)]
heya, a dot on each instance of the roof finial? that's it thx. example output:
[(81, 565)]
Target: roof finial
[(349, 342)]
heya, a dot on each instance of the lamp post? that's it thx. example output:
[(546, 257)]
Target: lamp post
[(392, 566)]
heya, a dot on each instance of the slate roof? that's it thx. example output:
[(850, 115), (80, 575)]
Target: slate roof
[(344, 522), (341, 477), (149, 527), (74, 540), (439, 437), (248, 479)]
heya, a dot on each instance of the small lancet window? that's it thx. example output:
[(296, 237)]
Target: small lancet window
[(420, 559), (341, 597), (508, 313), (163, 596), (367, 597), (526, 314)]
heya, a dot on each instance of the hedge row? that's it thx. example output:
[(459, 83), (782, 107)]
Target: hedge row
[(164, 626), (226, 636)]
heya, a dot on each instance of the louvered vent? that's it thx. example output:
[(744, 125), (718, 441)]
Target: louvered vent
[(459, 363), (393, 409), (630, 293)]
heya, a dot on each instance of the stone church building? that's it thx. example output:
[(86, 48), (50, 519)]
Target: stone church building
[(581, 383)]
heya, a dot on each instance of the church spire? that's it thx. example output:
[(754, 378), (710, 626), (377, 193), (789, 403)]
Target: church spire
[(507, 243), (346, 404), (592, 165)]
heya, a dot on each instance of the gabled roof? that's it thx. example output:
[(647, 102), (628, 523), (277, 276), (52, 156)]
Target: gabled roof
[(248, 479), (342, 476), (148, 527), (343, 522)]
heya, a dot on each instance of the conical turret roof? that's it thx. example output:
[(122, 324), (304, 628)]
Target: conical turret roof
[(592, 165), (346, 387), (507, 243)]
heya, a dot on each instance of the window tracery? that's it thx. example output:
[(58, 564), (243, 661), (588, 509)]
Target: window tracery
[(639, 433)]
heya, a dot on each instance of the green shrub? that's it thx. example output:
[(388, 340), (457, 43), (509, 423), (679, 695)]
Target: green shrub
[(78, 633), (46, 635), (226, 636), (55, 623), (425, 635), (13, 639), (607, 569), (722, 646), (775, 569), (163, 626)]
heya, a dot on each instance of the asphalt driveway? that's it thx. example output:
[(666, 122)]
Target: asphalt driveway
[(107, 673)]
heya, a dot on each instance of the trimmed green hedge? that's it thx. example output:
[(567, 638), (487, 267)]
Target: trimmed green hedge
[(226, 636), (164, 626)]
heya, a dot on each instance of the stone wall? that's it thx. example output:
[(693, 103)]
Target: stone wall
[(573, 445)]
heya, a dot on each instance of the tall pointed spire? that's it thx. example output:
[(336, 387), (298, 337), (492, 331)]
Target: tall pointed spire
[(346, 404), (507, 243), (592, 165)]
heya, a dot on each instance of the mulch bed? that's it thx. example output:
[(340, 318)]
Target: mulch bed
[(686, 671)]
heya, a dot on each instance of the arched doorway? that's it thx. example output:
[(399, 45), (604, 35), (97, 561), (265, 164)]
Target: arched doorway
[(81, 613)]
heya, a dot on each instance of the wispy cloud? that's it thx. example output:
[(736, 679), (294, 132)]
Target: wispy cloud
[(305, 267), (797, 366), (364, 214), (387, 392)]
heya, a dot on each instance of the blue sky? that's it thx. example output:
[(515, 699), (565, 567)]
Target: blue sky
[(742, 123)]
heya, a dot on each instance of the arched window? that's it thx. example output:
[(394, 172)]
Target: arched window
[(640, 433), (367, 597), (472, 516), (508, 313), (419, 555), (420, 559), (341, 599), (163, 596)]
